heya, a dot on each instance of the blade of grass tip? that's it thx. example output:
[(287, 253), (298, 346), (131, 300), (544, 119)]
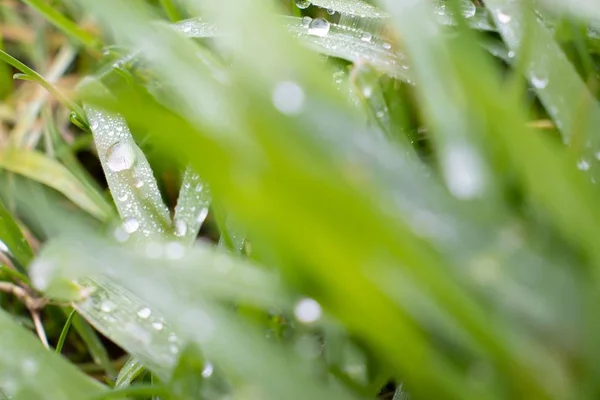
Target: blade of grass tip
[(36, 166), (64, 24), (129, 176), (12, 240), (29, 371), (192, 206), (132, 369), (30, 74), (64, 332), (565, 96)]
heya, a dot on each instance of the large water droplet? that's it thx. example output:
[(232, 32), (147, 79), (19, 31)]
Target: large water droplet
[(503, 18), (366, 36), (144, 312), (539, 82), (302, 4), (386, 45), (120, 156), (157, 325), (181, 228), (307, 311), (130, 225), (319, 27), (330, 11), (463, 172), (288, 98)]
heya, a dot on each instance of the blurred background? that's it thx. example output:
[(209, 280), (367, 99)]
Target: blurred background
[(328, 199)]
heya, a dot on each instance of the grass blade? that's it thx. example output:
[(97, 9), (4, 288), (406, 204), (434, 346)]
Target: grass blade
[(12, 239), (29, 371), (192, 206)]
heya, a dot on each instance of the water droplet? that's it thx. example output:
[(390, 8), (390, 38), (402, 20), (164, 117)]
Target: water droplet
[(120, 235), (157, 325), (583, 165), (302, 4), (173, 349), (107, 306), (181, 228), (144, 312), (539, 82), (202, 215), (386, 45), (511, 54), (130, 225), (3, 247), (319, 27), (208, 370), (503, 18), (288, 98), (463, 172), (368, 91), (174, 250), (120, 156), (366, 36), (94, 124), (199, 187), (172, 338), (138, 183), (123, 197), (307, 311), (330, 11), (380, 114), (468, 10)]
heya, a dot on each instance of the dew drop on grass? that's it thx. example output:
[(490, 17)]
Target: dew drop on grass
[(3, 247), (107, 306), (468, 9), (181, 228), (302, 4), (144, 313), (330, 11), (366, 37), (368, 91), (157, 325), (307, 311), (288, 98), (583, 165), (503, 18), (386, 45), (319, 27), (463, 172), (120, 235), (120, 156), (539, 82), (131, 225), (208, 370)]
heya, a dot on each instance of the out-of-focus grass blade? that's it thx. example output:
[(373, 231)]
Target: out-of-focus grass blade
[(38, 167), (582, 8), (342, 42), (187, 379), (132, 369), (192, 206), (30, 74), (12, 239), (29, 371), (68, 27), (94, 345), (156, 335), (129, 176), (565, 96)]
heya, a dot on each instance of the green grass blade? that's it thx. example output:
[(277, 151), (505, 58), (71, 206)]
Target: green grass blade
[(565, 96), (68, 27), (38, 167), (64, 332), (192, 206), (29, 371), (132, 369), (12, 239), (129, 176), (94, 345)]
